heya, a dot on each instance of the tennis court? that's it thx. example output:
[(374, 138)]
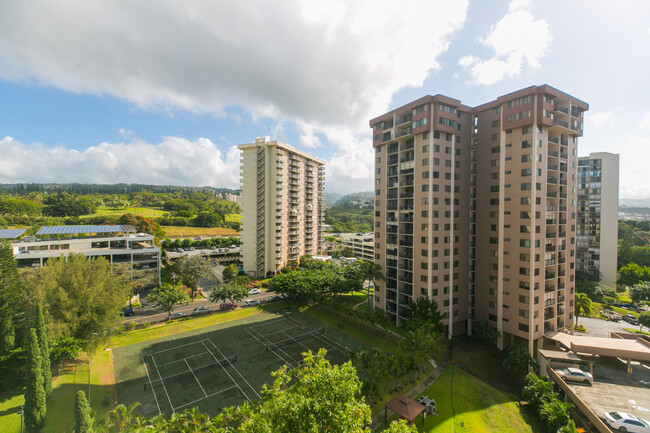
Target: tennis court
[(222, 365)]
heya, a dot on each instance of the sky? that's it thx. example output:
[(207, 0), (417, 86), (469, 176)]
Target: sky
[(162, 92)]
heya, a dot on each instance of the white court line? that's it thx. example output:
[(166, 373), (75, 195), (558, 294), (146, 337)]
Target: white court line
[(195, 378), (284, 361), (181, 360), (296, 341), (163, 383), (226, 371), (172, 348), (184, 372), (235, 368), (207, 396), (151, 385)]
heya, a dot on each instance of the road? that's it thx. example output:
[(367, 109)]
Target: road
[(153, 315), (601, 328)]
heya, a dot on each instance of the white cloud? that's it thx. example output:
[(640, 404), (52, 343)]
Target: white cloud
[(175, 161), (125, 133), (516, 39), (321, 65), (645, 122), (603, 117), (647, 29)]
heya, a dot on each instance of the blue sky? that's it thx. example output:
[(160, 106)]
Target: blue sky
[(160, 91)]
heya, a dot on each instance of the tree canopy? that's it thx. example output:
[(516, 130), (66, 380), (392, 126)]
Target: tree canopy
[(166, 296), (191, 269), (82, 298), (232, 292)]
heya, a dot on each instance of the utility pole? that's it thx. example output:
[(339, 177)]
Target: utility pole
[(20, 412)]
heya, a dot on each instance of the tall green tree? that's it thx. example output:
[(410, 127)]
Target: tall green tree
[(518, 359), (644, 319), (582, 305), (166, 296), (632, 274), (35, 408), (83, 421), (229, 273), (191, 269), (81, 296), (230, 292), (11, 300), (423, 311), (316, 396), (640, 292), (372, 272), (44, 345)]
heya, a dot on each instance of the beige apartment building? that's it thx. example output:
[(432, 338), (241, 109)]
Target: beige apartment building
[(282, 204), (597, 226), (476, 208)]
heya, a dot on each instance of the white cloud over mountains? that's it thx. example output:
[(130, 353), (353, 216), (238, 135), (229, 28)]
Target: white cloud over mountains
[(517, 39), (173, 161), (323, 65)]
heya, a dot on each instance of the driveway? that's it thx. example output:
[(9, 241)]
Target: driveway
[(601, 328)]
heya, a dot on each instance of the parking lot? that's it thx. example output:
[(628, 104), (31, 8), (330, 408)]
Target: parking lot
[(614, 390)]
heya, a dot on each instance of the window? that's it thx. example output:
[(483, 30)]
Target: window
[(419, 123)]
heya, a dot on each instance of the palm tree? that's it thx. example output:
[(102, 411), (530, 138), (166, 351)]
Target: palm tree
[(372, 272), (555, 413), (582, 305)]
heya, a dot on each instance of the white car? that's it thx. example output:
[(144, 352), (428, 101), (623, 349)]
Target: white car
[(624, 422), (201, 310), (254, 292), (575, 374), (251, 302)]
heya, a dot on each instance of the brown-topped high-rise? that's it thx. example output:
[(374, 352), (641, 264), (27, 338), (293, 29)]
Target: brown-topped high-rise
[(475, 208)]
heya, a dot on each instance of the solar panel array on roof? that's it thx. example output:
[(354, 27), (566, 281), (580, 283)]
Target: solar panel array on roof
[(69, 230), (11, 233)]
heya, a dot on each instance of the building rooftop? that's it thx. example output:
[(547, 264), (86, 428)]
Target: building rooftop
[(87, 229), (11, 233)]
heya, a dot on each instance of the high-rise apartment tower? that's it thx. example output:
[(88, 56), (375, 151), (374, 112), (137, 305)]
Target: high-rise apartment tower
[(476, 207), (283, 205), (597, 233)]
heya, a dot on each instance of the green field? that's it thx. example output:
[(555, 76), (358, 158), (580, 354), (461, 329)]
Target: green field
[(178, 231), (467, 404), (221, 365), (143, 211)]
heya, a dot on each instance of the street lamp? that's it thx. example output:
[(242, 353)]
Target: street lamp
[(20, 412)]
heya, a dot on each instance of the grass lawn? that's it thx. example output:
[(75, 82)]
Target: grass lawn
[(636, 331), (353, 298), (143, 211), (233, 217), (485, 361), (176, 231), (462, 399), (74, 376), (388, 345)]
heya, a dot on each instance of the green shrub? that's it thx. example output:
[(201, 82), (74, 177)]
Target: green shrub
[(146, 325)]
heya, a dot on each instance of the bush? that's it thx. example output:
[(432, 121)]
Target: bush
[(146, 325), (580, 328), (130, 326)]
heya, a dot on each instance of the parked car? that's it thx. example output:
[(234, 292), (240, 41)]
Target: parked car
[(227, 306), (625, 422), (178, 315), (575, 375), (631, 319), (201, 310), (252, 302), (275, 298), (254, 291), (127, 312)]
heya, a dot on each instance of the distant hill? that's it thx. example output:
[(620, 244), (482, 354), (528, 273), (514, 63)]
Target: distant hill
[(634, 202), (87, 188), (331, 198), (362, 197), (352, 213)]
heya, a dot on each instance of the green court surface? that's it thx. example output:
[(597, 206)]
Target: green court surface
[(222, 365)]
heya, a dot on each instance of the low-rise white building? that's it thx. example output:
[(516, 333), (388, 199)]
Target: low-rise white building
[(119, 244)]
